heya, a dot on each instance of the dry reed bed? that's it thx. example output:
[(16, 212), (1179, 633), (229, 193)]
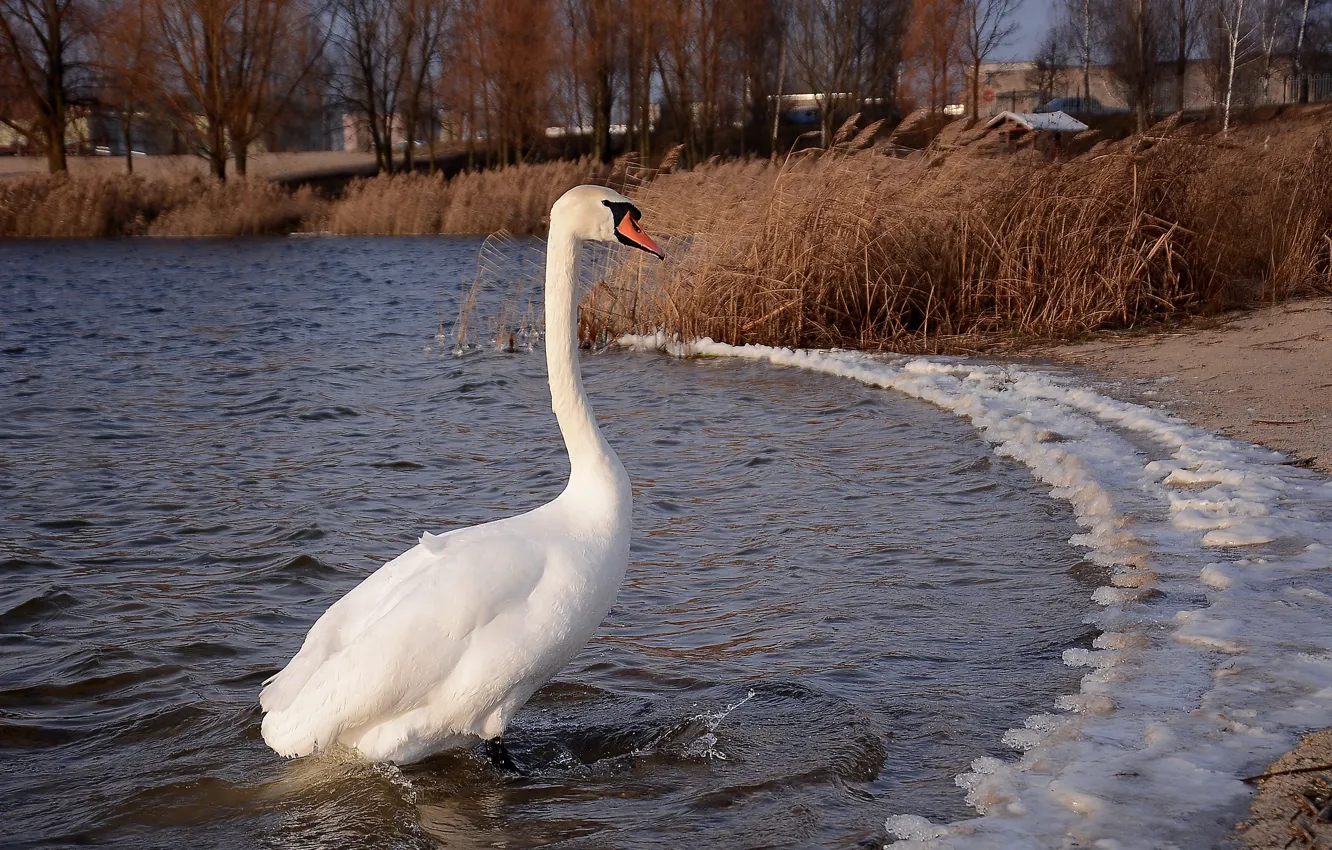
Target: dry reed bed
[(134, 206), (973, 252), (516, 199)]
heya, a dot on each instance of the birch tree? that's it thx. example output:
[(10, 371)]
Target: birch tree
[(1301, 79), (1236, 29)]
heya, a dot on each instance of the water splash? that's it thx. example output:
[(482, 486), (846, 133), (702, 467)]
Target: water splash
[(705, 745)]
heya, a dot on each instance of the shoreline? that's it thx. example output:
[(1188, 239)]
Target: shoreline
[(1263, 375)]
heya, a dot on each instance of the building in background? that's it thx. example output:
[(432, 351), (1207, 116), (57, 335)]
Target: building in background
[(1029, 87)]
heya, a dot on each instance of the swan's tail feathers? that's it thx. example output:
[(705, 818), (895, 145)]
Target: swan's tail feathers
[(289, 736), (283, 729), (283, 687)]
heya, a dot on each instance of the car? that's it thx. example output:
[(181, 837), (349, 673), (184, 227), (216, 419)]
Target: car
[(1079, 106)]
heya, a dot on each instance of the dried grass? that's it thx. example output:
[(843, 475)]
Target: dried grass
[(239, 208), (971, 252), (516, 199), (122, 205), (98, 206)]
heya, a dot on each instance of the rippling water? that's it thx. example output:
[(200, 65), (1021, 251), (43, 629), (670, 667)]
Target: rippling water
[(837, 597)]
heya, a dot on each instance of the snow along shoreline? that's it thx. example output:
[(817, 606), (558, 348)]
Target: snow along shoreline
[(1216, 649)]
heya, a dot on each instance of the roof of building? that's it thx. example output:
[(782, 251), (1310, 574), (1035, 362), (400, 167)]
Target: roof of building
[(1048, 121)]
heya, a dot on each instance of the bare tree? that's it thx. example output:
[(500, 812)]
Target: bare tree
[(1237, 29), (1076, 32), (1271, 19), (674, 66), (596, 28), (640, 48), (127, 64), (1301, 76), (759, 46), (1184, 30), (1133, 41), (274, 45), (421, 34), (369, 43), (1049, 65), (192, 36), (1086, 33), (988, 25), (932, 44), (43, 51), (824, 46), (518, 42)]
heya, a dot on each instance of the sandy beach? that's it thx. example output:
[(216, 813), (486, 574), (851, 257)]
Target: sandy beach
[(1264, 376)]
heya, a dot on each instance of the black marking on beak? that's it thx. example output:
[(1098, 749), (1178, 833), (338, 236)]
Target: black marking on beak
[(627, 231)]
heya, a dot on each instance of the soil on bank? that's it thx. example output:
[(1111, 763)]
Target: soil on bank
[(1293, 807), (1263, 376)]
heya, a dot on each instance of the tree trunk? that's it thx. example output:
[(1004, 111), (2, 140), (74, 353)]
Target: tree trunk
[(55, 89), (975, 87), (409, 117), (240, 155), (217, 159), (604, 102), (826, 118), (1182, 55), (430, 138), (1301, 79), (645, 101), (126, 131), (1234, 32), (1144, 94), (55, 146), (1086, 55), (631, 91)]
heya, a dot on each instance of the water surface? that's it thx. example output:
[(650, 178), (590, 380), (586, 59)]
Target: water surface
[(837, 597)]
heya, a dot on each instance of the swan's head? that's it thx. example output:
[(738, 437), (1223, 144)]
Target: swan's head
[(602, 215)]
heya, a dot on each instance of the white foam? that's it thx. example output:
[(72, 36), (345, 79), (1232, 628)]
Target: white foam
[(1211, 663)]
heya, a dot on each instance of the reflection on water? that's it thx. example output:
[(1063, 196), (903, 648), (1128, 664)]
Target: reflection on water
[(837, 598)]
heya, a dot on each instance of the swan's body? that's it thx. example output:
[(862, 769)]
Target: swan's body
[(446, 642)]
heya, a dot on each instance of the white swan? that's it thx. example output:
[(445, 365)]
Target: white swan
[(446, 642)]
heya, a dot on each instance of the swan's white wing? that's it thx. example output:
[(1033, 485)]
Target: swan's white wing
[(377, 658), (343, 621)]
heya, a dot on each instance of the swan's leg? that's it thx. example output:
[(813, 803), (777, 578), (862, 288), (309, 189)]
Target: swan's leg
[(499, 755)]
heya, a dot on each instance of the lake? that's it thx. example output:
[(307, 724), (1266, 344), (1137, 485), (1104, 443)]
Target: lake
[(837, 596)]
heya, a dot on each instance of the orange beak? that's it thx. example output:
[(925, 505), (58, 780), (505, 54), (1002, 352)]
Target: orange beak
[(632, 234)]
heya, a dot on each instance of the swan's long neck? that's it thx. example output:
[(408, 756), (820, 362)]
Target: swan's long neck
[(592, 462)]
